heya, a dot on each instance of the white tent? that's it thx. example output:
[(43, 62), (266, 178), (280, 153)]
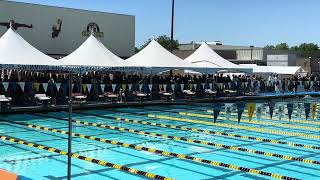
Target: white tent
[(205, 56), (17, 53), (93, 55), (159, 59), (283, 70)]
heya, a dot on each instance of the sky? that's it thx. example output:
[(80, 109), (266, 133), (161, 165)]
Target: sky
[(234, 22)]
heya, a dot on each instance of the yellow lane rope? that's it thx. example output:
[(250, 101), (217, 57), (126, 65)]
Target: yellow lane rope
[(84, 158), (205, 131), (252, 121), (270, 131), (164, 153), (176, 138)]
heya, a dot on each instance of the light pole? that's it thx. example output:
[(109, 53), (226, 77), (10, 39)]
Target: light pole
[(251, 49), (70, 126), (172, 24)]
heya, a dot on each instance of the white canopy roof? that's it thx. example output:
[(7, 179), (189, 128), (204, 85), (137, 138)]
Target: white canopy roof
[(289, 70), (92, 53), (160, 59), (204, 55), (16, 52), (154, 55)]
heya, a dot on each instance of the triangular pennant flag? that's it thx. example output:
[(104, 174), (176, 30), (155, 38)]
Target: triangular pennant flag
[(22, 84), (36, 86), (45, 86), (165, 87), (203, 85), (160, 87), (5, 85), (102, 87), (130, 86), (307, 108), (84, 88), (72, 86), (89, 87), (290, 109), (314, 110), (140, 87), (251, 108), (195, 86), (113, 87), (210, 85), (124, 87), (182, 86), (240, 108), (271, 108), (173, 87), (259, 111), (228, 108), (150, 87), (58, 86), (216, 111)]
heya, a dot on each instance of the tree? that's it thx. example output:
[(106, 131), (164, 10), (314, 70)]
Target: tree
[(269, 47), (164, 41), (294, 48), (282, 46), (308, 49)]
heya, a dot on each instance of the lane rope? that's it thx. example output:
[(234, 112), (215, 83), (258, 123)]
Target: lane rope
[(161, 152), (85, 158), (176, 138), (205, 131), (251, 122), (270, 131)]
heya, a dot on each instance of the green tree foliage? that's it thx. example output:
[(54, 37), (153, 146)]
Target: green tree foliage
[(305, 49), (165, 41), (282, 46), (308, 49), (269, 47)]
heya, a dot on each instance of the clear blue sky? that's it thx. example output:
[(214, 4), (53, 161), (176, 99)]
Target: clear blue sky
[(235, 22)]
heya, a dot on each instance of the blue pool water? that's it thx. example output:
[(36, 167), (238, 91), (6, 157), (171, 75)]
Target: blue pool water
[(37, 164)]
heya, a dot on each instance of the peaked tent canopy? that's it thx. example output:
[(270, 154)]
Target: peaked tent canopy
[(283, 70), (17, 53), (160, 59), (204, 55), (93, 55)]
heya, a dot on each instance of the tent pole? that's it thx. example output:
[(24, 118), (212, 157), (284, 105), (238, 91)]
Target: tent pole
[(70, 126)]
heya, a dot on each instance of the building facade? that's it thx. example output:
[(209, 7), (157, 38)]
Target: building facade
[(59, 31)]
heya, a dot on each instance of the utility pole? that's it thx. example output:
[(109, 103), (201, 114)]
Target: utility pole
[(172, 24)]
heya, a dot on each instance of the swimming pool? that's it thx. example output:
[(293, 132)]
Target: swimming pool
[(174, 141)]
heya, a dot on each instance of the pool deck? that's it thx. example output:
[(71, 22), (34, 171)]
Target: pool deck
[(94, 105)]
